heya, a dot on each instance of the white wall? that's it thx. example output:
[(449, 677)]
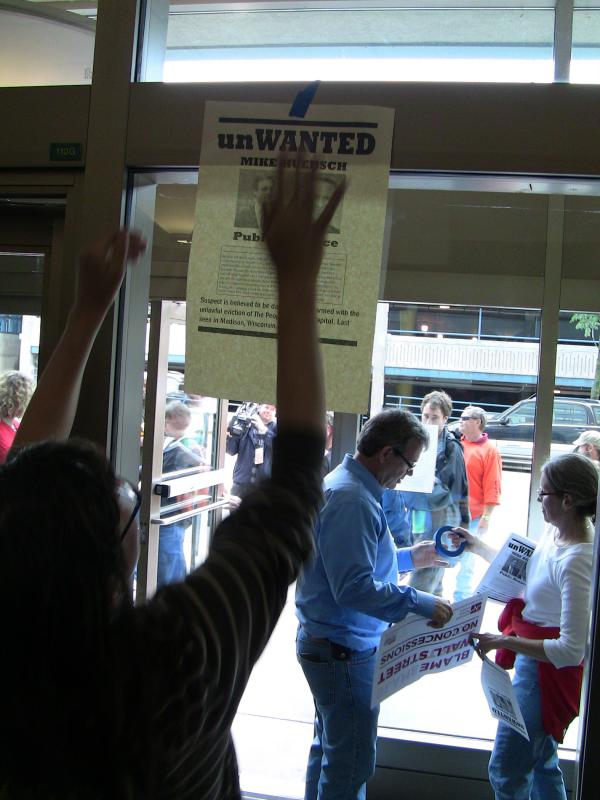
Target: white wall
[(40, 52)]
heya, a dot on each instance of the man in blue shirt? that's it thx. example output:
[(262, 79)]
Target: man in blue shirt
[(347, 596)]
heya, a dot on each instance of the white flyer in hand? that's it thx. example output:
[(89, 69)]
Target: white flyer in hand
[(501, 698), (423, 475), (412, 648), (506, 575)]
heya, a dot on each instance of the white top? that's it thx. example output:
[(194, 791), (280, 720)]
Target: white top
[(557, 594)]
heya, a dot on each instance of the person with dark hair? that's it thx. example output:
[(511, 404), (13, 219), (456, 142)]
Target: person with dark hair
[(102, 700), (448, 502), (348, 594), (544, 635), (15, 391)]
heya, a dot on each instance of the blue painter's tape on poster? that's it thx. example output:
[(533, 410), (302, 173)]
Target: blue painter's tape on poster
[(440, 546), (303, 100)]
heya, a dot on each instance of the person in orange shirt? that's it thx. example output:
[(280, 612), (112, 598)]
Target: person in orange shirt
[(484, 476)]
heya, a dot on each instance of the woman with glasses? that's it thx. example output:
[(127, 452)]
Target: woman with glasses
[(99, 699), (544, 634)]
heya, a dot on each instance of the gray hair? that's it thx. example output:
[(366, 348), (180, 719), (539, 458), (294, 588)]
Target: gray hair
[(577, 476), (588, 437), (16, 389), (391, 428), (478, 413)]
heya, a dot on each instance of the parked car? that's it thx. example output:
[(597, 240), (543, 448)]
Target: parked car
[(512, 431)]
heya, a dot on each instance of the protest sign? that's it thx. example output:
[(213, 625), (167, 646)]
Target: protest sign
[(231, 286), (501, 698), (412, 648), (506, 575), (424, 473)]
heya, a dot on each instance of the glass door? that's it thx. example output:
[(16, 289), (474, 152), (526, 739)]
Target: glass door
[(183, 473), (29, 226)]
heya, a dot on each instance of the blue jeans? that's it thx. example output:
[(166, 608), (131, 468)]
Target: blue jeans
[(171, 560), (342, 755), (466, 568), (522, 770)]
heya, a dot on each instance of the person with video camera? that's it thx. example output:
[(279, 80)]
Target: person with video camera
[(250, 436)]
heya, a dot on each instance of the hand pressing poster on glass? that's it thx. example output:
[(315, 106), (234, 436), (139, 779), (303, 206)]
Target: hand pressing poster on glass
[(231, 290)]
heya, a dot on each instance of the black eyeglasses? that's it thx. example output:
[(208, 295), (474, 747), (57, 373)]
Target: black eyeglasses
[(464, 419), (130, 488), (410, 464), (541, 494)]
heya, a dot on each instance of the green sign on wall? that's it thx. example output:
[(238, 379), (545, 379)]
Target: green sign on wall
[(66, 151)]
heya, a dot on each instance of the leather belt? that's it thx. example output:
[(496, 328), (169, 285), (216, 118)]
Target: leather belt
[(338, 651)]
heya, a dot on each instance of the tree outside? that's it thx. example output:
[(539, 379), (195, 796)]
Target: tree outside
[(589, 324)]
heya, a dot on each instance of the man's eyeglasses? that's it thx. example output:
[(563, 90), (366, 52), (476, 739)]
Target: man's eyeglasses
[(132, 491), (464, 419), (410, 464), (541, 494)]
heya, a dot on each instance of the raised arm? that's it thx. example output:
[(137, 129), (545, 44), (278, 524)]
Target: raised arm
[(52, 408), (295, 242)]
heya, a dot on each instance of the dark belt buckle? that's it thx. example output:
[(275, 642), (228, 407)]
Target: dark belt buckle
[(339, 652)]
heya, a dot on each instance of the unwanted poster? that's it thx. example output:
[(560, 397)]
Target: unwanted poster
[(412, 648), (501, 698), (231, 286), (505, 577)]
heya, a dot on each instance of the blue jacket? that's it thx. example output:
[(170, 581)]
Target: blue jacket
[(245, 471)]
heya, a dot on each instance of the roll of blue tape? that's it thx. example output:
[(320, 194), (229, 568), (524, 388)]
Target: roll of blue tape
[(439, 545)]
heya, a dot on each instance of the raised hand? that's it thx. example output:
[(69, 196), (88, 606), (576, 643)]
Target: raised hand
[(102, 268), (295, 242), (52, 408), (294, 239)]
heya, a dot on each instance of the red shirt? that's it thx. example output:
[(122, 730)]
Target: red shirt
[(7, 436), (484, 474), (560, 689)]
